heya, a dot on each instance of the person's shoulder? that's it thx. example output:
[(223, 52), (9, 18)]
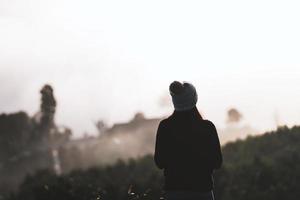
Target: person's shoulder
[(165, 121), (161, 129), (208, 123)]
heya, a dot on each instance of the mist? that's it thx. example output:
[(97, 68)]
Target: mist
[(122, 56)]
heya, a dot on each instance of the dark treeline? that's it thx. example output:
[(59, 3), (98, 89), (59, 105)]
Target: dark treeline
[(31, 143), (265, 167)]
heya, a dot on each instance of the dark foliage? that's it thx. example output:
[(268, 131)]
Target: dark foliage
[(27, 143), (265, 167), (133, 179)]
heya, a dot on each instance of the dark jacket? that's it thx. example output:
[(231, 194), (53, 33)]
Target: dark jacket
[(188, 149)]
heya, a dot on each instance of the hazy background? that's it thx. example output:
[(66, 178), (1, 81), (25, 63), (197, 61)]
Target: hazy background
[(109, 59)]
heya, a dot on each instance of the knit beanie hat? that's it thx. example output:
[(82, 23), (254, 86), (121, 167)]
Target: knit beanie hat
[(184, 96)]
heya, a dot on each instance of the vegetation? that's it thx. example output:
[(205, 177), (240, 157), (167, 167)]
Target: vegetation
[(262, 167), (26, 143), (133, 179), (265, 167)]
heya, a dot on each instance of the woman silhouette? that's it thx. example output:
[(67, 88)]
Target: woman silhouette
[(187, 148)]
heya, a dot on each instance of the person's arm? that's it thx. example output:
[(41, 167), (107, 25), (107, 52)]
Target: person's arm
[(159, 154), (216, 148)]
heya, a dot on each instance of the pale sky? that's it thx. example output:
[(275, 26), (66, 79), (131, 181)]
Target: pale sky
[(110, 59)]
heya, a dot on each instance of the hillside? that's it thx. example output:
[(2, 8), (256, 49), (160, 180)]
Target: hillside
[(262, 167), (265, 167)]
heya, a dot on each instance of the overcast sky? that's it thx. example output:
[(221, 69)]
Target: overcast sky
[(110, 59)]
